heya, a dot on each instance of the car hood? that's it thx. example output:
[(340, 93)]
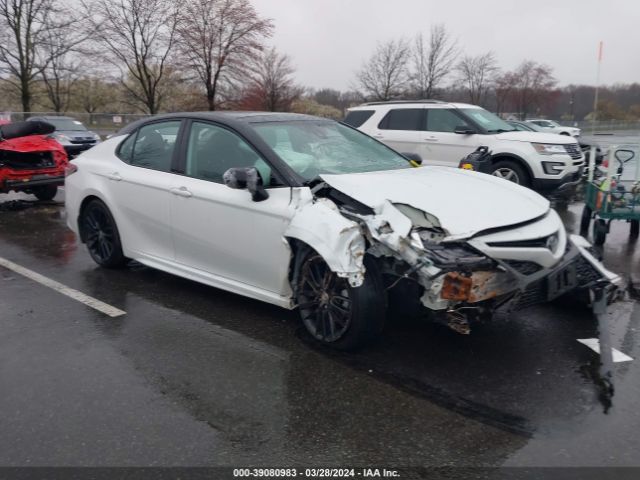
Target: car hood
[(464, 202), (538, 137)]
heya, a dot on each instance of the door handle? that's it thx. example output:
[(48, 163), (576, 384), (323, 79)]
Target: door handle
[(431, 139), (377, 135), (181, 192), (115, 176)]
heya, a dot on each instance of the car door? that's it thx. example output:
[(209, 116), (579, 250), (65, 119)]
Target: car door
[(403, 130), (220, 231), (445, 146), (139, 189)]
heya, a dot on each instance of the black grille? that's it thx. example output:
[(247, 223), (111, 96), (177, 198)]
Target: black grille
[(534, 294), (529, 243), (525, 268), (586, 273), (574, 151), (26, 160)]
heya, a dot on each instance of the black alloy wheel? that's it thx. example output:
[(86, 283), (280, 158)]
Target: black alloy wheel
[(325, 305), (101, 235)]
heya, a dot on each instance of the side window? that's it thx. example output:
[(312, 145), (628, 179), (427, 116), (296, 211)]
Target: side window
[(403, 119), (125, 152), (357, 117), (153, 146), (213, 150), (443, 120)]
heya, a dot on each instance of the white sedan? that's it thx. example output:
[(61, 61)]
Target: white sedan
[(308, 213), (550, 126)]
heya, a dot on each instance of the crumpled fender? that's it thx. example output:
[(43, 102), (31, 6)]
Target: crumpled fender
[(337, 239)]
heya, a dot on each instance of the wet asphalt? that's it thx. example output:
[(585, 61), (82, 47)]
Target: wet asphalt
[(195, 376)]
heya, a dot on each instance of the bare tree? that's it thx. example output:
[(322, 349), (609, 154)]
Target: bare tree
[(271, 86), (476, 75), (503, 86), (138, 37), (384, 76), (532, 86), (62, 71), (432, 62), (93, 94), (26, 50), (219, 39)]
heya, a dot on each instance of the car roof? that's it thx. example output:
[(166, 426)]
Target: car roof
[(409, 103), (54, 117), (225, 117)]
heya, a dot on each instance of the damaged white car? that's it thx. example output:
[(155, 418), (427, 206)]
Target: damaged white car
[(308, 213)]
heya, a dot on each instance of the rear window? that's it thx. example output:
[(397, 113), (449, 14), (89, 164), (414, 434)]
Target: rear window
[(404, 119), (358, 117)]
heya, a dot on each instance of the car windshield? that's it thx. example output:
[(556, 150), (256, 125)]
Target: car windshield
[(312, 148), (487, 120), (66, 124)]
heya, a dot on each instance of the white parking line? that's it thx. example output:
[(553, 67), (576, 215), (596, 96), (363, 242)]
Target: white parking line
[(63, 289)]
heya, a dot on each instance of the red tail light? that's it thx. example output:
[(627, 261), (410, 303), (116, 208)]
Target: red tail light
[(69, 169)]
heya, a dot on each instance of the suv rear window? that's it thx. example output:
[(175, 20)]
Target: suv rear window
[(404, 119), (358, 117)]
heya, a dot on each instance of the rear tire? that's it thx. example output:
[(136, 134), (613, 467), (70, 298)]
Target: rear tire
[(511, 171), (100, 233), (635, 229), (599, 232), (334, 313), (46, 192)]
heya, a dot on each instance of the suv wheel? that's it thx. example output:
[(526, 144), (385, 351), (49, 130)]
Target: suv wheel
[(510, 170), (334, 313)]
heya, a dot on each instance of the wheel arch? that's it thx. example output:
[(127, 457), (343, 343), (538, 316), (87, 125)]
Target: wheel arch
[(497, 157), (85, 201), (339, 241)]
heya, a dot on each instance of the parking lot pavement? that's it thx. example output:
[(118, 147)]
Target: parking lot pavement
[(191, 375)]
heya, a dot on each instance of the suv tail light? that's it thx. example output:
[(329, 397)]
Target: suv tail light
[(69, 169)]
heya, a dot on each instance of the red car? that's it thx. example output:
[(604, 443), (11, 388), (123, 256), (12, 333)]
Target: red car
[(30, 161)]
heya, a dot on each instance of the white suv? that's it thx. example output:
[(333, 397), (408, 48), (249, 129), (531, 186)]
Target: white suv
[(444, 133)]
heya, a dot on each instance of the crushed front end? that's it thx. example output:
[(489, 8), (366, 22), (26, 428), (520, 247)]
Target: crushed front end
[(463, 280)]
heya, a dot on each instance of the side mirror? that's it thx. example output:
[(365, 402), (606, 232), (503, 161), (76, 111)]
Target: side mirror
[(412, 156), (462, 130), (246, 178)]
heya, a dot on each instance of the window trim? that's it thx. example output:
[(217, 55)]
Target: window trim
[(469, 121), (181, 166), (174, 160), (384, 122)]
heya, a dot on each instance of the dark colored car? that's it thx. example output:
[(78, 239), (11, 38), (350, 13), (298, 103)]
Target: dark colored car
[(30, 160), (71, 133)]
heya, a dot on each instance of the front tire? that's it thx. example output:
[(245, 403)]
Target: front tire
[(100, 233), (45, 193), (334, 313), (512, 171)]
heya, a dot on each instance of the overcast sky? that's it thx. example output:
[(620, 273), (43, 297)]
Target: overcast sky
[(329, 39)]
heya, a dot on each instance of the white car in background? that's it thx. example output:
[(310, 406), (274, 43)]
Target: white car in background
[(307, 213), (443, 133), (550, 126)]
